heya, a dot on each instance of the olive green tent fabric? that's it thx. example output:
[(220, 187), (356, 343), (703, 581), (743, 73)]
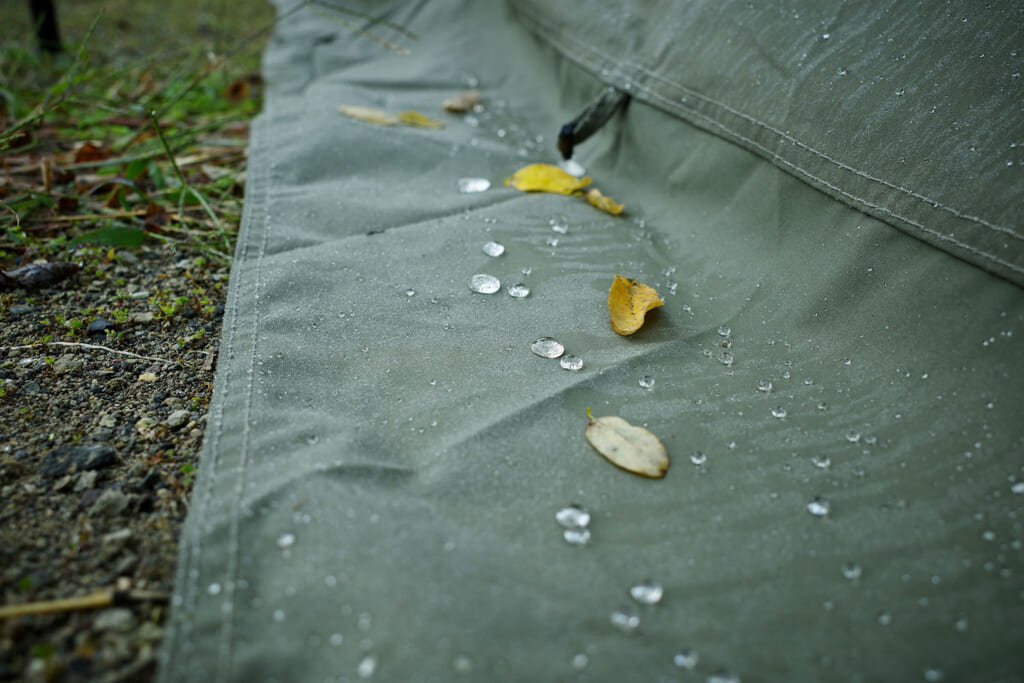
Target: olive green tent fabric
[(910, 112), (385, 456)]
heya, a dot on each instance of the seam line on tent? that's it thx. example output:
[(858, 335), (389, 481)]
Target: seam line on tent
[(853, 198), (555, 37)]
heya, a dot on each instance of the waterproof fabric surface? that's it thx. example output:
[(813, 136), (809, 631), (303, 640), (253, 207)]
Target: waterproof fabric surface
[(911, 112), (385, 456)]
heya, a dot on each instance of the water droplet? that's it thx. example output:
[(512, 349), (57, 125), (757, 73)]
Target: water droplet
[(410, 292), (559, 224), (686, 659), (647, 382), (213, 589), (577, 537), (571, 362), (851, 570), (647, 592), (626, 618), (547, 347), (870, 439), (573, 517), (367, 666), (336, 639), (579, 662), (821, 461), (286, 541), (1017, 487), (847, 362), (573, 168), (484, 284), (724, 331), (853, 436), (826, 36), (779, 412), (724, 677), (698, 458), (474, 185), (961, 624), (764, 385), (462, 664), (884, 618), (519, 291), (493, 249), (822, 406), (551, 241), (725, 358), (819, 507), (933, 674)]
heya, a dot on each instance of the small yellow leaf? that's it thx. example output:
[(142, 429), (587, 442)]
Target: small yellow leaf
[(546, 178), (628, 303), (603, 202), (462, 102), (414, 118), (378, 116), (634, 449)]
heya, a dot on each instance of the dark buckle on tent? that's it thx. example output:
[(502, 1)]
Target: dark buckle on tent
[(590, 120)]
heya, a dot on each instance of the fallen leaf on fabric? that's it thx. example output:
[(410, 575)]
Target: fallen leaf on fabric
[(462, 102), (546, 178), (378, 116), (628, 303), (631, 448), (414, 118), (604, 202)]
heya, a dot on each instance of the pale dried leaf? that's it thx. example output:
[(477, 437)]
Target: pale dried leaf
[(631, 448), (368, 114), (462, 102)]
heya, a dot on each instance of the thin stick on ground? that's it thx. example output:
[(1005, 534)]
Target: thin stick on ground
[(97, 600), (83, 345)]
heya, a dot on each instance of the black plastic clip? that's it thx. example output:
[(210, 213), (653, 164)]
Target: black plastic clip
[(590, 120)]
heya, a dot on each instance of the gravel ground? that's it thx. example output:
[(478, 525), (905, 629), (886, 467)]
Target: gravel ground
[(98, 449)]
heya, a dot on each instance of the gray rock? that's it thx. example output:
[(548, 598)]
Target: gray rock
[(117, 619), (177, 418), (110, 504), (63, 459), (20, 309), (31, 388), (68, 362), (86, 480)]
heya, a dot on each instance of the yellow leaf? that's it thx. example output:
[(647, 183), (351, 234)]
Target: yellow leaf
[(603, 202), (414, 118), (632, 448), (378, 116), (628, 303), (546, 178)]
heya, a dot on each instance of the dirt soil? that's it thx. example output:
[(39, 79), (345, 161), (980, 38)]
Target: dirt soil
[(99, 443)]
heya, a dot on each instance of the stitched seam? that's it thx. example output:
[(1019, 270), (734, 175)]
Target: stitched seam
[(555, 37), (226, 645)]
